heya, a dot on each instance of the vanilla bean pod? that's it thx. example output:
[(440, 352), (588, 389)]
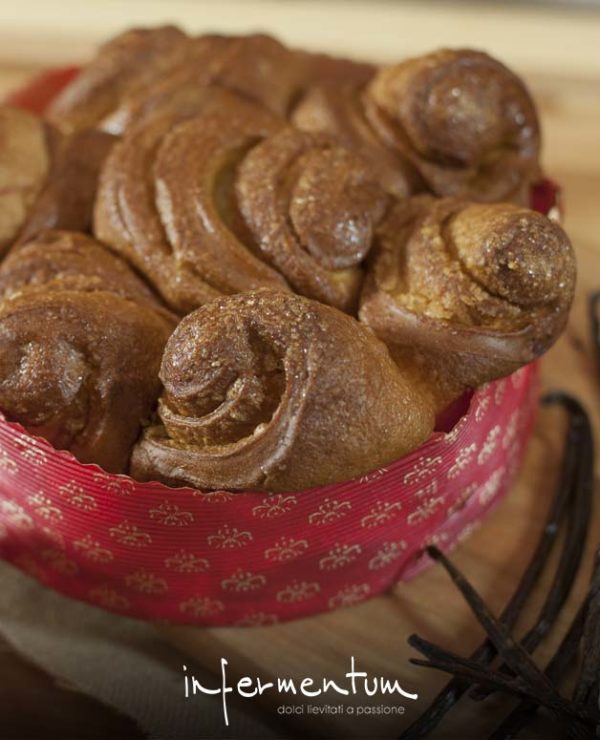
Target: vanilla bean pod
[(486, 652), (595, 321), (567, 651), (511, 651), (580, 508), (588, 684), (445, 660), (440, 659)]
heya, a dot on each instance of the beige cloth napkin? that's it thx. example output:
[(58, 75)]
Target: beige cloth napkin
[(120, 662)]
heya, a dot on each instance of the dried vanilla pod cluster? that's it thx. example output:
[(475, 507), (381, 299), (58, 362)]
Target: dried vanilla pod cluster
[(272, 391), (474, 291), (24, 167), (347, 248), (165, 203)]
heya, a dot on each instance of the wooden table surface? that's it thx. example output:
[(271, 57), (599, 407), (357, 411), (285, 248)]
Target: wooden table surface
[(567, 89)]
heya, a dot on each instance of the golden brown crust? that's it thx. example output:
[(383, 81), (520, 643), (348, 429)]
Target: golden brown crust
[(336, 109), (25, 161), (219, 202), (80, 369), (263, 69), (47, 180), (67, 199), (256, 66), (193, 170), (164, 199), (273, 391), (475, 290), (312, 208), (119, 85), (124, 65), (67, 260), (216, 189), (463, 120), (180, 90), (454, 122), (332, 70), (81, 340)]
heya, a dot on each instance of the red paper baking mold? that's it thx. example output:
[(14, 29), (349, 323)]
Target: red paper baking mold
[(219, 558)]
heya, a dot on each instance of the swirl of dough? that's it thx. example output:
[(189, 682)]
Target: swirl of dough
[(59, 260), (312, 208), (47, 180), (66, 201), (476, 289), (256, 66), (261, 68), (273, 391), (336, 109), (164, 199), (138, 67), (81, 340), (464, 121)]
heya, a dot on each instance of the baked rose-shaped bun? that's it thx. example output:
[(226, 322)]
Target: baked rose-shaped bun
[(475, 290), (272, 391), (81, 341), (262, 69), (463, 120), (337, 109), (454, 122), (24, 167), (212, 194)]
